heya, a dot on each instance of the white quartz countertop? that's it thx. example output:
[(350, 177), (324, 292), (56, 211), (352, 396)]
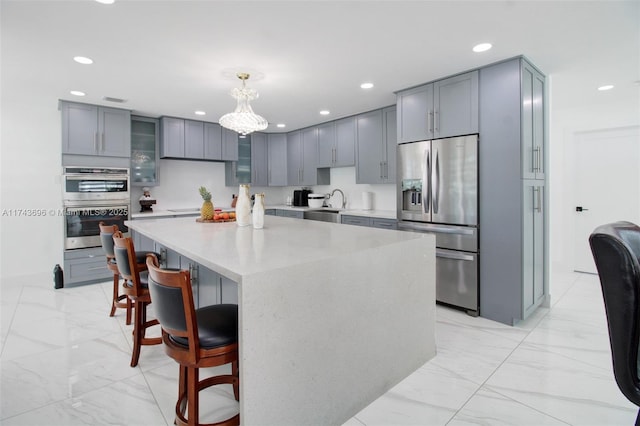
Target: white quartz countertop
[(158, 213), (235, 251)]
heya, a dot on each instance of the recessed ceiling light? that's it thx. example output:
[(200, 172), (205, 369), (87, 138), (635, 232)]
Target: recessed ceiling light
[(366, 85), (281, 125), (77, 93), (482, 47), (607, 87), (324, 112), (200, 113), (83, 60), (106, 1)]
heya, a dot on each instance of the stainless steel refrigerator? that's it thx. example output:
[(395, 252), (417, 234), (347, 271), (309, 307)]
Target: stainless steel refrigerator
[(438, 193)]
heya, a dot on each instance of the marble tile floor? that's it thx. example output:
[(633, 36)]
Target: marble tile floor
[(65, 362)]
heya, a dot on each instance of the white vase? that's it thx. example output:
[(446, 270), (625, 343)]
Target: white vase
[(243, 206), (258, 212)]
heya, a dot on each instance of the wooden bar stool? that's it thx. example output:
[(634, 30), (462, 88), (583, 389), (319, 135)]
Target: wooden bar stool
[(106, 238), (194, 338), (136, 288)]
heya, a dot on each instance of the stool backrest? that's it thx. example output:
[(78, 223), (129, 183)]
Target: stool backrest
[(173, 302), (616, 251), (106, 238), (125, 255)]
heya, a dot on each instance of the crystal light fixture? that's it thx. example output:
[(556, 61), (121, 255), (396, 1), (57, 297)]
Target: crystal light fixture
[(243, 120)]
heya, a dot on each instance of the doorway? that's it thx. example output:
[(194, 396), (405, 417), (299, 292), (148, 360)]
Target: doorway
[(606, 185)]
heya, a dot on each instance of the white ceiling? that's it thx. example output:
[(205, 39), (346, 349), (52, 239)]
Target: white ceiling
[(175, 57)]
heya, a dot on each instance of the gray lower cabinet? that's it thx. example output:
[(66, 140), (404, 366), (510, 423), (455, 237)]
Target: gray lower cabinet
[(277, 159), (270, 212), (513, 217), (94, 130), (532, 245), (373, 222), (209, 287), (444, 108), (85, 265), (290, 213), (376, 146)]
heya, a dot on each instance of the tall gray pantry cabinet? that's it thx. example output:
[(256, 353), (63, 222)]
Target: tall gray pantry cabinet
[(504, 103), (513, 213)]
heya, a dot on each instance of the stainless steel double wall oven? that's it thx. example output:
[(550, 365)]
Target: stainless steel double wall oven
[(92, 195)]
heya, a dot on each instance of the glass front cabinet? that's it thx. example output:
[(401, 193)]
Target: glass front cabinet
[(144, 151)]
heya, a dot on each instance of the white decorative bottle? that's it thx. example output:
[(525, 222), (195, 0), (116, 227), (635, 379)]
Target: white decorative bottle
[(258, 212), (243, 206)]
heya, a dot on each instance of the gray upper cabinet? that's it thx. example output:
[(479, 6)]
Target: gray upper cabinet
[(326, 144), (336, 143), (277, 159), (144, 151), (302, 157), (193, 139), (229, 145), (345, 149), (93, 130), (196, 140), (445, 108), (294, 158), (259, 160), (172, 137), (212, 141), (532, 123), (513, 217), (376, 146)]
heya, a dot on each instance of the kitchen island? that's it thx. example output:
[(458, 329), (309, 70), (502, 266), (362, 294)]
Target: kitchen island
[(331, 316)]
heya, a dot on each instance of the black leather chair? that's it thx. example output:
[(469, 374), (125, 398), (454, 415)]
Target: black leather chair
[(616, 251), (194, 338)]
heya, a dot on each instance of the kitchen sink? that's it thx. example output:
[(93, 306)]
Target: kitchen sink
[(323, 215)]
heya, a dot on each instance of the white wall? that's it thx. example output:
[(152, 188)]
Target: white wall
[(564, 124)]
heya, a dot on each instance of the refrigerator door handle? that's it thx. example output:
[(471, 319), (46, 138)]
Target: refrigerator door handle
[(436, 182), (426, 183)]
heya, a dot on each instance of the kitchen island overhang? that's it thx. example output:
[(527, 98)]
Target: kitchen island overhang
[(331, 316)]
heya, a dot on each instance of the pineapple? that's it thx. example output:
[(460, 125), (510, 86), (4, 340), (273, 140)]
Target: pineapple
[(206, 212)]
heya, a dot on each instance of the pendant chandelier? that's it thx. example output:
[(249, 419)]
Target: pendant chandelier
[(243, 120)]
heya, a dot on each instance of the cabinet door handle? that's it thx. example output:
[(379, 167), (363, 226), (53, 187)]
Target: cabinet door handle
[(537, 203), (430, 121), (436, 121), (163, 257), (381, 172)]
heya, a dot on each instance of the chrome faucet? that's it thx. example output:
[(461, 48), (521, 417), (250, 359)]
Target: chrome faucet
[(344, 198)]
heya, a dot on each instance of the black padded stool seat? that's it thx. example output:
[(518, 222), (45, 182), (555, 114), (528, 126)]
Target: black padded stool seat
[(616, 251), (194, 338), (217, 326)]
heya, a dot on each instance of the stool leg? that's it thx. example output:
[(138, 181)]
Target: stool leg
[(114, 301), (129, 310), (138, 311), (236, 382), (192, 396)]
